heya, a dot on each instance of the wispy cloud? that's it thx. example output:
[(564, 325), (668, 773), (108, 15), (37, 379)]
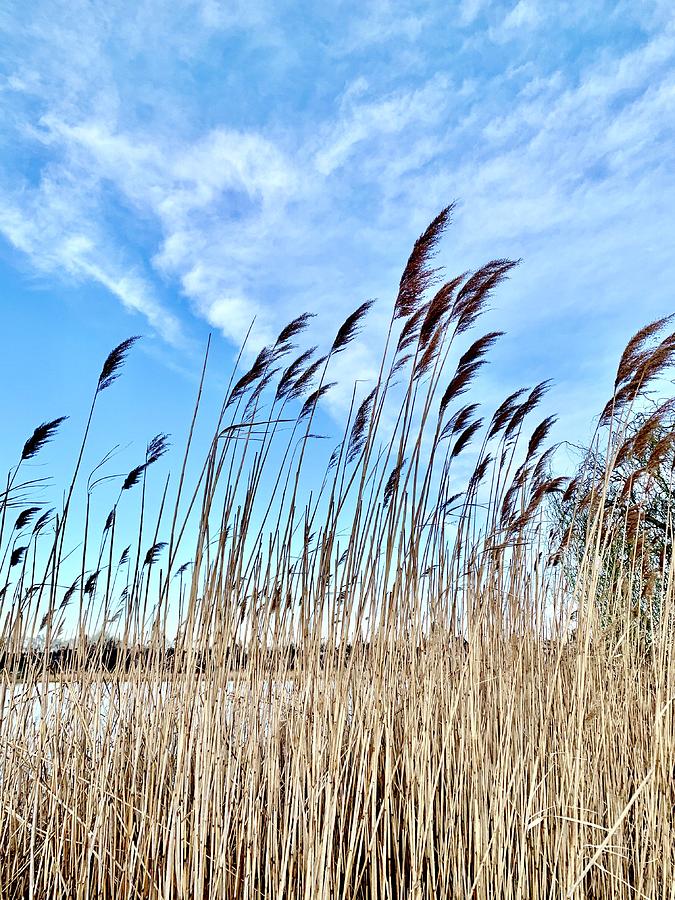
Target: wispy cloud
[(525, 14), (231, 161), (42, 226), (469, 10), (383, 21), (366, 120)]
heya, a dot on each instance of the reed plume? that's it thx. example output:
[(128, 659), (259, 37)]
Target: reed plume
[(310, 403), (390, 674), (304, 380), (25, 517), (291, 372), (465, 437), (114, 363), (350, 327), (469, 364), (291, 331), (17, 556), (41, 436), (153, 553), (357, 436), (418, 275)]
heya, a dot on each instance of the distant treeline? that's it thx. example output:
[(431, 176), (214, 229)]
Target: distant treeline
[(111, 655)]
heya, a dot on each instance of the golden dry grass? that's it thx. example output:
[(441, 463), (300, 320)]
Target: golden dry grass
[(318, 728)]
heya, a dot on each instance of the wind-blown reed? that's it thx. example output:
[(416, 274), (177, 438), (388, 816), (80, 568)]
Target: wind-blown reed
[(379, 682)]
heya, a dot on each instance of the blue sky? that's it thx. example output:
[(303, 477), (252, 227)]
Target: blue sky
[(174, 168)]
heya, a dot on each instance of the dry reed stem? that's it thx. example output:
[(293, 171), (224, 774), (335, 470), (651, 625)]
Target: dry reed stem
[(319, 727)]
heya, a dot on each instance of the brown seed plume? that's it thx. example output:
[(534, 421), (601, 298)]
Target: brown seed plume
[(465, 437), (411, 330), (157, 447), (350, 327), (475, 293), (426, 360), (17, 556), (509, 502), (459, 384), (257, 370), (398, 365), (25, 517), (125, 556), (392, 482), (357, 436), (570, 490), (479, 472), (646, 366), (438, 307), (539, 435), (418, 275), (292, 330), (541, 469), (630, 482), (67, 597), (647, 433), (632, 355), (42, 521), (114, 362), (448, 505), (660, 451), (152, 555), (469, 363), (504, 412), (42, 434), (479, 348), (551, 486), (181, 570), (90, 583), (258, 390), (303, 382), (459, 420), (311, 402), (524, 409), (133, 477), (291, 372)]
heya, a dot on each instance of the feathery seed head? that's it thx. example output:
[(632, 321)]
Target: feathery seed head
[(42, 434), (113, 364)]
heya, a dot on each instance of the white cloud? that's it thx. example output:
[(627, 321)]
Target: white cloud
[(34, 234), (316, 206), (134, 293), (213, 199), (469, 10), (369, 120), (231, 13), (232, 315), (525, 14), (383, 21)]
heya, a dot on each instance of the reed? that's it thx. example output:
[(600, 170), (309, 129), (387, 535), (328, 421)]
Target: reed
[(379, 680)]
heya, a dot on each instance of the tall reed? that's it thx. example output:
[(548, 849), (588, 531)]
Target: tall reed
[(374, 681)]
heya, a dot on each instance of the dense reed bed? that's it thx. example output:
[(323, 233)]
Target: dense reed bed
[(434, 669)]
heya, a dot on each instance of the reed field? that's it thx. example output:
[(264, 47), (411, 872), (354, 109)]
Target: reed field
[(436, 669)]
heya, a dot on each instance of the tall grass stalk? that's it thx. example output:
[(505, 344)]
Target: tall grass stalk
[(371, 681)]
